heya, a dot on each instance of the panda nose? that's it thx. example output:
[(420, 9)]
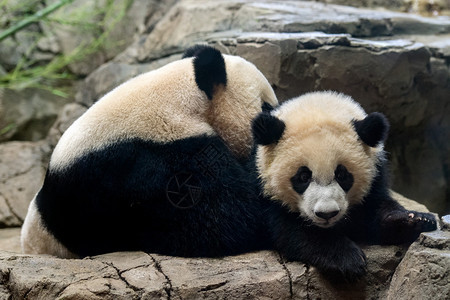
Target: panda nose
[(326, 215)]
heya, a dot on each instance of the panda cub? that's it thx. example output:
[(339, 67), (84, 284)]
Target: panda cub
[(321, 162)]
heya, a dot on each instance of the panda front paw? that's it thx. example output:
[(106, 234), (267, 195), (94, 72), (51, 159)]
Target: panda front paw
[(344, 264), (405, 226)]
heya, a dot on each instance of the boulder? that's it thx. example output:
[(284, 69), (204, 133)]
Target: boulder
[(138, 275), (425, 270), (119, 27), (22, 170), (28, 114)]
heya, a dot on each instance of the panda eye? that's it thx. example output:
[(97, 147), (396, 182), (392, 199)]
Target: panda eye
[(305, 176), (300, 181), (343, 177)]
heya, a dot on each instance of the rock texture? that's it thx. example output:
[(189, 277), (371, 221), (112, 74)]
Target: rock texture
[(137, 275), (27, 115), (420, 272), (23, 166), (425, 271)]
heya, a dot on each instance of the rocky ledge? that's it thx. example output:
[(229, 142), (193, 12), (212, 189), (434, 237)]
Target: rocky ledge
[(394, 272)]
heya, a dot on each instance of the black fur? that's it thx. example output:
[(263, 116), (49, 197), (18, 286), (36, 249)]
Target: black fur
[(378, 220), (209, 68), (373, 129), (267, 129), (344, 178), (301, 180), (266, 107), (116, 199)]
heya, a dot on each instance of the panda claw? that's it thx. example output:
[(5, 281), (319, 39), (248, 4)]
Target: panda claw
[(405, 226)]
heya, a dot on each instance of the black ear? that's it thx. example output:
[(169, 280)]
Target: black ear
[(267, 129), (209, 67), (266, 107), (373, 129)]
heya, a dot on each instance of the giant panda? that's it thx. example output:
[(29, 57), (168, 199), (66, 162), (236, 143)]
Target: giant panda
[(155, 163), (321, 163)]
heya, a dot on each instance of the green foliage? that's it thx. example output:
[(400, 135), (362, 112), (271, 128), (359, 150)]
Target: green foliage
[(7, 128), (96, 18)]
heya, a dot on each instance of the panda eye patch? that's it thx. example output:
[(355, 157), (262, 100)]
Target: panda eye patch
[(300, 181), (343, 177)]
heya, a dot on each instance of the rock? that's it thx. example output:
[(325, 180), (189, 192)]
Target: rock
[(28, 114), (22, 170), (446, 222), (176, 31), (425, 269), (426, 7), (10, 240), (9, 57), (137, 275), (121, 23), (308, 283), (254, 275), (408, 203)]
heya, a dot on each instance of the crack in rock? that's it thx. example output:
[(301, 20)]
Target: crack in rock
[(214, 286), (169, 288), (11, 210), (289, 275), (123, 279), (308, 281)]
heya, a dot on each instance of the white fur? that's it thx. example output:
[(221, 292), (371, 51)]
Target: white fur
[(323, 198), (319, 135), (163, 105)]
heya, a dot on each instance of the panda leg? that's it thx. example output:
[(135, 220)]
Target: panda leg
[(399, 225), (332, 253), (391, 222), (35, 239)]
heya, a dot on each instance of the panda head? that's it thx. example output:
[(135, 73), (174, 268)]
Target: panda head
[(318, 154), (236, 90)]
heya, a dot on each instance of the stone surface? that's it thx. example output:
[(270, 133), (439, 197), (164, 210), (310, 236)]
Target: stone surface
[(425, 270), (28, 113), (22, 170), (137, 275), (308, 283), (176, 31), (10, 240)]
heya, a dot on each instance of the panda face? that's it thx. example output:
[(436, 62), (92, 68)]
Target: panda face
[(324, 204), (315, 158)]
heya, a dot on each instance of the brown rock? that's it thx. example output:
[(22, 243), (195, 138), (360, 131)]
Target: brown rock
[(22, 170), (10, 240), (425, 270), (254, 275)]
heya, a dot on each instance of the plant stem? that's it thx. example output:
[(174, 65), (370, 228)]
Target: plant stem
[(34, 18)]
